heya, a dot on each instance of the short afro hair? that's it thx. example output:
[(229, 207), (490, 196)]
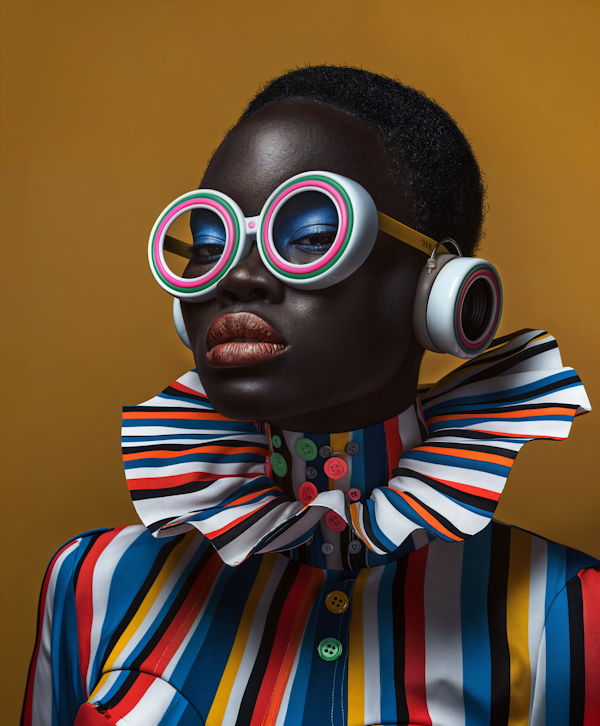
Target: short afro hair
[(444, 183)]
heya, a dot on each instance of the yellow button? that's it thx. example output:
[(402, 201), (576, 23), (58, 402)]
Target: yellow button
[(337, 602)]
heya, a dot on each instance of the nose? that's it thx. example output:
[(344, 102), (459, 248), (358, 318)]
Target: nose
[(249, 280)]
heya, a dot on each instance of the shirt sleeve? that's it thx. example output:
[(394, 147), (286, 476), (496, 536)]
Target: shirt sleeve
[(568, 669), (54, 689)]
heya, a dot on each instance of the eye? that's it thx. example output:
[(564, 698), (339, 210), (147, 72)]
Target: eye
[(208, 237), (305, 227)]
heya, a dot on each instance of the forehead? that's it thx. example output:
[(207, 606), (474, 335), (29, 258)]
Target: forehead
[(283, 139)]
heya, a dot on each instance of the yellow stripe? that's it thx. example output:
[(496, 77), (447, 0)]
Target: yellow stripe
[(101, 683), (517, 621), (356, 658), (217, 710), (338, 443), (157, 586)]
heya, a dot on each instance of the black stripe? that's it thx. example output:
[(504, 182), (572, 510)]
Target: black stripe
[(497, 594), (577, 648), (471, 500), (83, 557), (234, 532), (124, 689), (465, 434), (369, 530), (513, 336), (187, 488), (145, 652), (157, 566), (221, 441), (176, 393), (399, 638), (495, 450), (266, 645)]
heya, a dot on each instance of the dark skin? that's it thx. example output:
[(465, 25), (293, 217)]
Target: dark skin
[(351, 358)]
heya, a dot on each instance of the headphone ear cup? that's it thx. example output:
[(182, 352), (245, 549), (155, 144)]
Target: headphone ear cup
[(179, 324), (458, 306)]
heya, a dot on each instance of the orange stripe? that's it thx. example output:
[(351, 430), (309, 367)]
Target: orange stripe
[(196, 450), (249, 497), (466, 454), (202, 415), (231, 525), (427, 517), (357, 527), (509, 415)]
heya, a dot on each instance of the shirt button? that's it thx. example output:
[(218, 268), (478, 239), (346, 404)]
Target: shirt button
[(354, 494), (330, 649), (335, 522), (278, 464), (337, 602), (307, 449), (325, 451), (276, 441), (311, 472), (335, 468), (352, 448), (354, 547), (307, 492), (327, 548)]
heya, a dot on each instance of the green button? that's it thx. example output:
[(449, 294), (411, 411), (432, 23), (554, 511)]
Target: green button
[(307, 449), (278, 464), (329, 649), (276, 441)]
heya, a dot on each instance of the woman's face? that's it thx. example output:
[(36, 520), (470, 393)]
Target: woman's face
[(347, 357)]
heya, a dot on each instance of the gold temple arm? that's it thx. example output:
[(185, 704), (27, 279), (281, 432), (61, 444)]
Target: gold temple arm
[(386, 224), (177, 247), (407, 234)]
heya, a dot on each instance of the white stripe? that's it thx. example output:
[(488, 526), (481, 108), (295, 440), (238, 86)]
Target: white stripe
[(443, 634), (394, 525), (41, 714), (153, 705), (537, 607), (538, 710), (152, 615), (370, 625), (254, 640), (408, 428), (458, 474), (101, 579)]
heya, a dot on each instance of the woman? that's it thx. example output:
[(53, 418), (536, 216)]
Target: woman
[(360, 581)]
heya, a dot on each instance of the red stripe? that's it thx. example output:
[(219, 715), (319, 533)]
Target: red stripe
[(175, 634), (31, 679), (393, 444), (414, 666), (170, 482), (131, 697), (590, 590), (84, 602), (291, 623), (231, 525), (180, 387)]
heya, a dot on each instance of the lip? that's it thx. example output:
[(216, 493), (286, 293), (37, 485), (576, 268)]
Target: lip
[(242, 339)]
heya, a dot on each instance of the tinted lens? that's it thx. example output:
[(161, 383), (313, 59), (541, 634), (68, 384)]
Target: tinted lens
[(204, 232), (305, 227)]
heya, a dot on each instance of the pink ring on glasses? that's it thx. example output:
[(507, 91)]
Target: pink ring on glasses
[(159, 237), (271, 252), (492, 326)]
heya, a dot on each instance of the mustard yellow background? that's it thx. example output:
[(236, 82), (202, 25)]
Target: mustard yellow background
[(111, 108)]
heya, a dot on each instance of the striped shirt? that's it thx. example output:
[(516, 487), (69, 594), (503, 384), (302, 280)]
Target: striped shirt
[(408, 607)]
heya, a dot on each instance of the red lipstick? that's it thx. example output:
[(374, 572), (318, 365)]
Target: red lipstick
[(241, 339)]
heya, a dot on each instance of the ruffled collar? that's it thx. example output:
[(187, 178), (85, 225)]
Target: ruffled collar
[(355, 499)]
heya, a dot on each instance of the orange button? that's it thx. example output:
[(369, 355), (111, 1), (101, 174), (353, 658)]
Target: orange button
[(337, 602), (335, 468)]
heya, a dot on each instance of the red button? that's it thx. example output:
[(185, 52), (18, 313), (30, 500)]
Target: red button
[(354, 494), (335, 468), (307, 492), (335, 522)]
